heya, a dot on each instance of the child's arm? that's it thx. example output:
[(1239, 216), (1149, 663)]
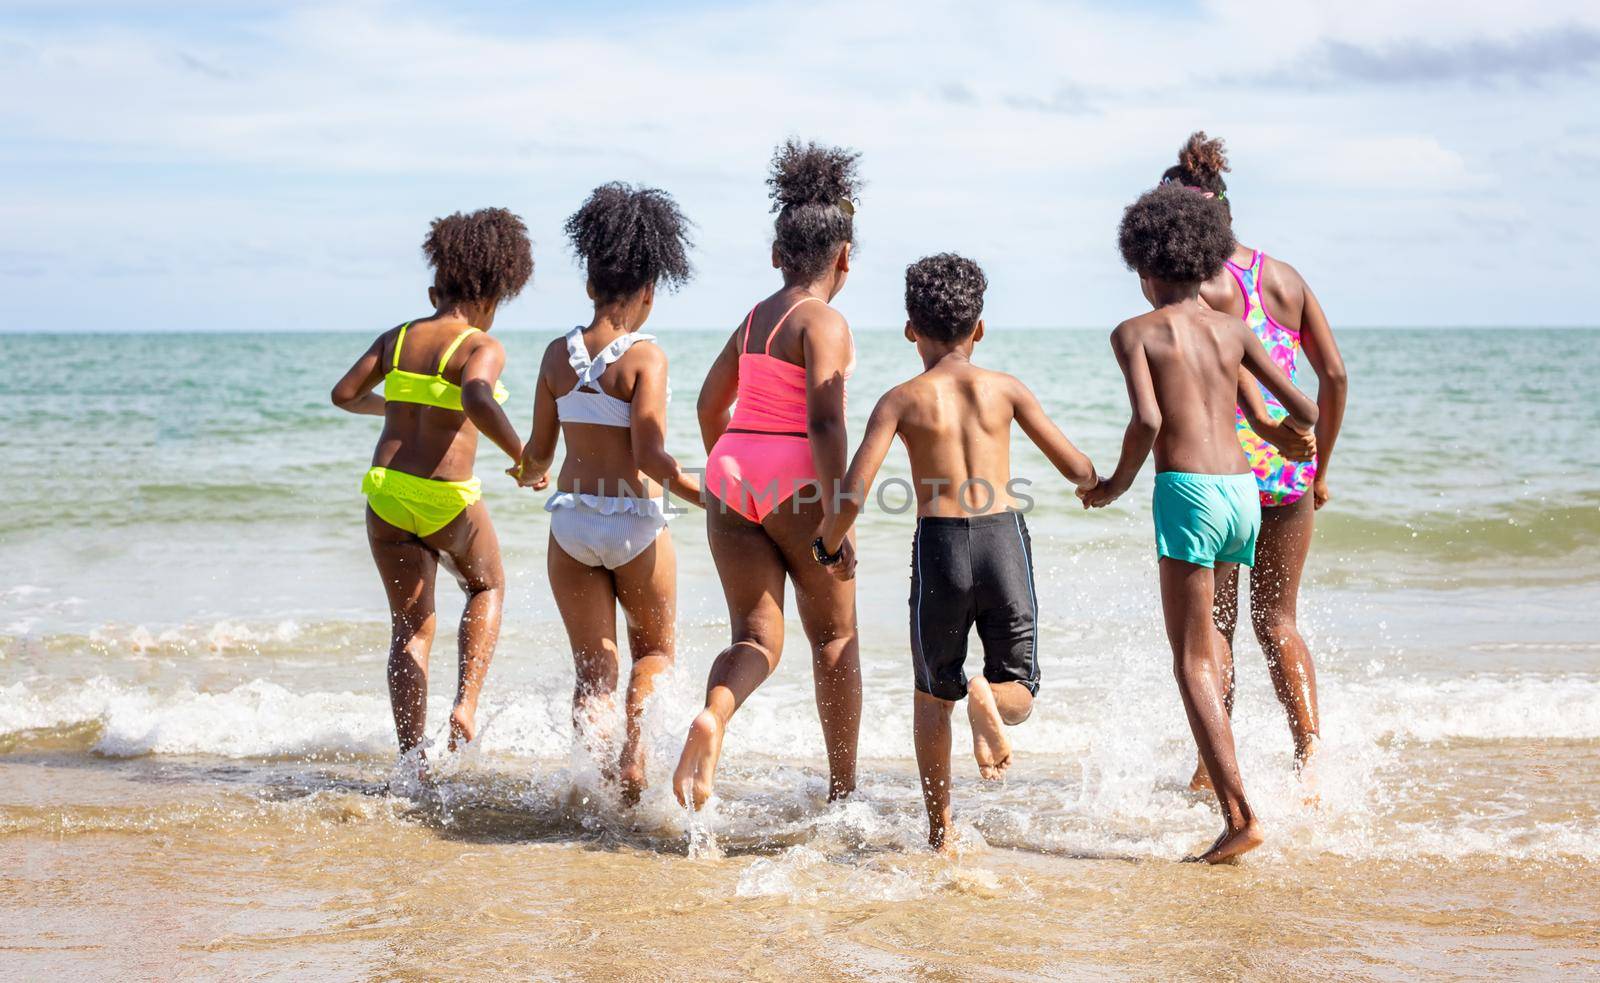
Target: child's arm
[(648, 430), (828, 349), (1296, 445), (353, 393), (532, 470), (1073, 464), (841, 512), (1140, 436), (1332, 386), (717, 393), (1302, 411), (478, 376)]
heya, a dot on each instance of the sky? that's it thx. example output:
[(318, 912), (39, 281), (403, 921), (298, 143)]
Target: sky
[(251, 166)]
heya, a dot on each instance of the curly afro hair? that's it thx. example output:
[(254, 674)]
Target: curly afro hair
[(1201, 163), (809, 183), (481, 256), (1175, 235), (629, 238), (944, 296)]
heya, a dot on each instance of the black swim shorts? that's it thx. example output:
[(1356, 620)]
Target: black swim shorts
[(967, 571)]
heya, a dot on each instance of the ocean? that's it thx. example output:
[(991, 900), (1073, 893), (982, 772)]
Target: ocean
[(195, 740)]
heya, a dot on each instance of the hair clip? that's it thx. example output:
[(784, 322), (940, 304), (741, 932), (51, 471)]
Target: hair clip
[(1203, 192), (847, 206)]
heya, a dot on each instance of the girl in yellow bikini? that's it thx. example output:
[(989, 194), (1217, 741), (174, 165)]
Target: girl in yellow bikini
[(440, 377)]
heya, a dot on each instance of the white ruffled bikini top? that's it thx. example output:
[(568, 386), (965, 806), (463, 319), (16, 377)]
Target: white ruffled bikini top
[(586, 402)]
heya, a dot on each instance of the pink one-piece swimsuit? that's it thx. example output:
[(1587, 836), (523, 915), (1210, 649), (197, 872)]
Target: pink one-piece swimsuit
[(764, 456)]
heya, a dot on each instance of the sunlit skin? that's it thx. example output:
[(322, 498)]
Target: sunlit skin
[(612, 461), (955, 420), (1181, 362), (754, 560), (431, 442), (1285, 530)]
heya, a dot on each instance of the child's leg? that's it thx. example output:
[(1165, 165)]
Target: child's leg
[(586, 597), (988, 707), (1187, 597), (1007, 619), (1274, 592), (1225, 615), (931, 727), (407, 568), (647, 587), (472, 551), (752, 572)]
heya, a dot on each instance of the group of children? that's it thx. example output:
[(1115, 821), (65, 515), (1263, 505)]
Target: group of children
[(602, 389)]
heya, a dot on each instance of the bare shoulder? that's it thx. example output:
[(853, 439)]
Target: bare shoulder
[(645, 357), (1128, 334), (823, 324), (555, 352), (1282, 283), (1002, 383)]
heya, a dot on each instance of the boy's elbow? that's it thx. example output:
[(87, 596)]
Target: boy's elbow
[(1147, 424)]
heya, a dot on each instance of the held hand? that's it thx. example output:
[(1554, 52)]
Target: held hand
[(1319, 493), (1292, 442), (845, 569), (1101, 495), (525, 478)]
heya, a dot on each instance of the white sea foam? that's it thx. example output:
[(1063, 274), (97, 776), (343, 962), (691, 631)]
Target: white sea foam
[(1097, 774), (263, 717)]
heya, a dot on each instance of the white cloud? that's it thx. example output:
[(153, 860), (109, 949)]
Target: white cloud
[(327, 136)]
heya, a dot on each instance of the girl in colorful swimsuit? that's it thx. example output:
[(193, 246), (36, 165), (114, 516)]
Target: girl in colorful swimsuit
[(783, 372), (603, 389), (1278, 305), (440, 376)]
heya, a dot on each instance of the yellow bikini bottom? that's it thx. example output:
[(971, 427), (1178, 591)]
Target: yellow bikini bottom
[(421, 506)]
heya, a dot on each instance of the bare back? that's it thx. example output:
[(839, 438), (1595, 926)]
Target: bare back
[(1193, 357), (955, 420), (600, 459), (428, 441)]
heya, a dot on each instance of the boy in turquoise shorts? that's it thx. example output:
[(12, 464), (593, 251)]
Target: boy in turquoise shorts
[(1182, 364)]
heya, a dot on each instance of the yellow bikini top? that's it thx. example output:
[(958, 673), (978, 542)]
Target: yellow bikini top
[(400, 386)]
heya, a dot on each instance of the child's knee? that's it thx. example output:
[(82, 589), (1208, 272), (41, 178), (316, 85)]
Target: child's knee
[(1274, 632), (1017, 711)]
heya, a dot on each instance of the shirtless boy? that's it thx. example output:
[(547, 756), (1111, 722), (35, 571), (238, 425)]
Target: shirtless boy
[(1181, 362), (972, 562)]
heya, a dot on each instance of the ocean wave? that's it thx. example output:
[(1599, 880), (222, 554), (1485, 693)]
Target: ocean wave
[(263, 718)]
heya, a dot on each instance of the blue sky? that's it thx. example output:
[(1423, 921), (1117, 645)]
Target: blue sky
[(262, 166)]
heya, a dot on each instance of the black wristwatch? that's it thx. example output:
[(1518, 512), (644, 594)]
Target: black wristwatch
[(819, 552)]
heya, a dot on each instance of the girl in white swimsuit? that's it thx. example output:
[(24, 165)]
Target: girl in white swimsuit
[(603, 389)]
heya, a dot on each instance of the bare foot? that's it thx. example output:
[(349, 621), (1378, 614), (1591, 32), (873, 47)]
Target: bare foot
[(697, 766), (1231, 845), (630, 773), (463, 725), (1305, 768), (941, 841), (1201, 782), (989, 743)]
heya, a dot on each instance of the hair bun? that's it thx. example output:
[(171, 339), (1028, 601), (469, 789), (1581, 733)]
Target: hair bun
[(1203, 157), (811, 174)]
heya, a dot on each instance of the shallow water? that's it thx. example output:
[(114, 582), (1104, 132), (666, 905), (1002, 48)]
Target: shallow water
[(195, 744)]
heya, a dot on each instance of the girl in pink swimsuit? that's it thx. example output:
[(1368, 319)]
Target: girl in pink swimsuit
[(771, 463), (1271, 297)]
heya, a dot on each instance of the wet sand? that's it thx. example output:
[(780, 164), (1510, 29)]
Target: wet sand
[(154, 869)]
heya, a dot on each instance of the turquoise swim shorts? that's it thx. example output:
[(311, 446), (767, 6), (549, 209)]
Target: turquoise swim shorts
[(1206, 519)]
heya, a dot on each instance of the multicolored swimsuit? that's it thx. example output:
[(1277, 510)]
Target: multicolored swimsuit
[(1280, 481)]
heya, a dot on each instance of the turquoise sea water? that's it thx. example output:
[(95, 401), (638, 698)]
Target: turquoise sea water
[(183, 572)]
